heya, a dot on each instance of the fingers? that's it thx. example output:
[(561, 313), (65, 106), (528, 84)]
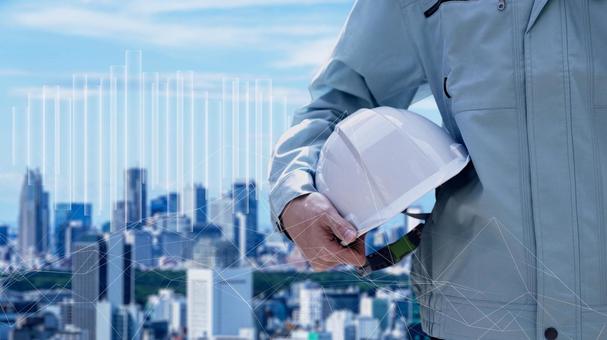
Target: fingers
[(331, 254), (345, 231)]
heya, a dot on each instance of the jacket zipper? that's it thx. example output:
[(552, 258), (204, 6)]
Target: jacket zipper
[(501, 5)]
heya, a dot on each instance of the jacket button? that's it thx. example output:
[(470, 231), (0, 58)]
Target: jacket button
[(551, 333)]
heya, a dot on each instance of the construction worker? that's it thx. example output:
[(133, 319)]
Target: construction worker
[(516, 245)]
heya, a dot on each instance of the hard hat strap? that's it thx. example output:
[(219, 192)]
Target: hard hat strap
[(392, 253)]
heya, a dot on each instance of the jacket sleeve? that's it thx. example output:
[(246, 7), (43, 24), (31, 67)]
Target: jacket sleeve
[(375, 63)]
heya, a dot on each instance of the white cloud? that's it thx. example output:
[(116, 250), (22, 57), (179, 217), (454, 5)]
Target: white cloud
[(158, 6)]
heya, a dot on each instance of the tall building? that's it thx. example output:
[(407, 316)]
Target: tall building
[(244, 196), (136, 195), (3, 235), (121, 276), (142, 248), (195, 204), (213, 254), (219, 302), (89, 280), (341, 325), (65, 213), (222, 214), (165, 204), (311, 305), (33, 216), (121, 216)]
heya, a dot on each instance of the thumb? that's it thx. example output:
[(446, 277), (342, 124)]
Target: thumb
[(341, 228)]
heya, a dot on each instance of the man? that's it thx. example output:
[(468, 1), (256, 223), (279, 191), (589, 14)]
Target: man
[(516, 245)]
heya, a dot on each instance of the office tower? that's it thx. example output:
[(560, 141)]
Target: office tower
[(73, 233), (367, 328), (121, 277), (3, 235), (142, 248), (219, 302), (120, 216), (213, 254), (33, 216), (221, 214), (89, 280), (341, 325), (136, 195), (195, 204), (165, 204), (65, 213), (170, 307), (310, 305), (244, 198), (174, 223), (118, 322), (376, 307)]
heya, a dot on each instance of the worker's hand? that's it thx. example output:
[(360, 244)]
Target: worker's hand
[(317, 229)]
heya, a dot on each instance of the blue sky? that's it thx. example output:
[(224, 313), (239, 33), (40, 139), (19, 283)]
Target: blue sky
[(46, 42)]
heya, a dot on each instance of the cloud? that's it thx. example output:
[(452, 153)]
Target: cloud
[(162, 6), (313, 53), (9, 72)]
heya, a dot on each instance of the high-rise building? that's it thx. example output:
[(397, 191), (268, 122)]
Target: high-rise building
[(89, 280), (65, 213), (195, 204), (367, 328), (213, 254), (121, 277), (221, 213), (341, 325), (311, 305), (3, 235), (136, 195), (33, 216), (376, 307), (244, 196), (142, 248), (165, 204), (219, 302), (121, 217)]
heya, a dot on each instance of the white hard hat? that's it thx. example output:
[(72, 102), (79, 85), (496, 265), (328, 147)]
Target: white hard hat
[(379, 161)]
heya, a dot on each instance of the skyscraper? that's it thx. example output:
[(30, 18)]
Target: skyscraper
[(245, 205), (89, 280), (33, 216), (195, 204), (219, 302), (136, 195), (65, 213), (221, 214)]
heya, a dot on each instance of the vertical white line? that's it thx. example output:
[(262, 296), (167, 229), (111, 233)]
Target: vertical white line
[(13, 136), (206, 142), (157, 130), (221, 134), (142, 126), (167, 140), (86, 142), (192, 123), (56, 136), (71, 139), (43, 130), (29, 136), (179, 143), (126, 130), (271, 118), (248, 134), (100, 142), (113, 143), (234, 148)]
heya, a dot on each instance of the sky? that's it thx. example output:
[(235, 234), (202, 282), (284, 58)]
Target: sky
[(226, 44)]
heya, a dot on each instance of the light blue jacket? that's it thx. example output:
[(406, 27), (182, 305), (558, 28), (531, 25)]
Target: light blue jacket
[(517, 243)]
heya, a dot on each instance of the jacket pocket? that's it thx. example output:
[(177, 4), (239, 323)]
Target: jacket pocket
[(478, 52), (598, 33)]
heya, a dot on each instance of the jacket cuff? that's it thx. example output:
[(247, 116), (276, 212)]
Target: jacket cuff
[(292, 185)]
